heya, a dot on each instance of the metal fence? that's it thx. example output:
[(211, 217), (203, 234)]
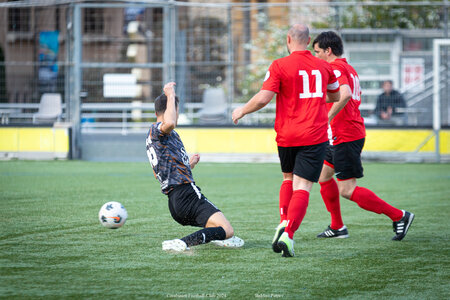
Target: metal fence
[(110, 59)]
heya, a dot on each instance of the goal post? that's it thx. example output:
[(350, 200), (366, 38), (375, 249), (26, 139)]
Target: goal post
[(437, 44)]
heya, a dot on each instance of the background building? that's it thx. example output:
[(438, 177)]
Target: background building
[(109, 59)]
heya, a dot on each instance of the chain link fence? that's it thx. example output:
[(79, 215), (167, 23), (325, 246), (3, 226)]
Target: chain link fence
[(110, 59)]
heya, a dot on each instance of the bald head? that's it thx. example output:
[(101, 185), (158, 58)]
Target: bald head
[(299, 33)]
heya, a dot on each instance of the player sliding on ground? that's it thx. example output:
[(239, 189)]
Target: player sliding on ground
[(301, 82), (343, 157), (172, 167)]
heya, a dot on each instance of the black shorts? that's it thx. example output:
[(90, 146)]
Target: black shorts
[(345, 158), (188, 206), (303, 161)]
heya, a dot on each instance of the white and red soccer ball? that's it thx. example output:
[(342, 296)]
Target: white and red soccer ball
[(112, 215)]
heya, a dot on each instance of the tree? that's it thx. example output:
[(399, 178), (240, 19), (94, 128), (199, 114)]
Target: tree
[(266, 47), (364, 15)]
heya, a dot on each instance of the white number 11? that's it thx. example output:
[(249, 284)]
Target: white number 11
[(306, 92)]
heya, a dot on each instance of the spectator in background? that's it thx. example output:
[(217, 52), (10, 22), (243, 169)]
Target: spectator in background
[(387, 106)]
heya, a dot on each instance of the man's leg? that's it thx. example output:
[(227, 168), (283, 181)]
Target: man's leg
[(368, 200), (219, 220), (298, 205), (307, 167), (296, 213), (217, 228), (197, 211), (285, 199), (285, 195), (287, 162), (330, 195), (348, 165)]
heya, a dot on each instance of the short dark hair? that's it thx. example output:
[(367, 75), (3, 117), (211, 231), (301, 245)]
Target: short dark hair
[(161, 103), (330, 39)]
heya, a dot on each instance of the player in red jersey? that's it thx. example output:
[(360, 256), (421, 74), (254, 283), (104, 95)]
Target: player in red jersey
[(343, 157), (301, 82)]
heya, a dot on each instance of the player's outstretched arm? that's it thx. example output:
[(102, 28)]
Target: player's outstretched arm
[(193, 161), (170, 115), (261, 99), (346, 95)]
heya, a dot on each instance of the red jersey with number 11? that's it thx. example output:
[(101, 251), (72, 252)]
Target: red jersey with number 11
[(347, 125), (301, 82)]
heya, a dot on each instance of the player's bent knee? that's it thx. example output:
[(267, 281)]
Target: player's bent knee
[(347, 187), (324, 178), (219, 220), (346, 192), (326, 174), (229, 231), (288, 176)]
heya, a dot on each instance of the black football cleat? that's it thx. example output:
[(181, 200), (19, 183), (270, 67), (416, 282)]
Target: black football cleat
[(331, 233), (401, 227)]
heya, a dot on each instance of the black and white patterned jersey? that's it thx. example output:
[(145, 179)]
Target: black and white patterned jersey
[(168, 158)]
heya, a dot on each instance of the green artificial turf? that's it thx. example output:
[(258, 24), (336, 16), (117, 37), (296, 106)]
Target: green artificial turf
[(53, 246)]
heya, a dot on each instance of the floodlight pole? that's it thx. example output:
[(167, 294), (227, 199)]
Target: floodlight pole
[(169, 32), (77, 75), (230, 67)]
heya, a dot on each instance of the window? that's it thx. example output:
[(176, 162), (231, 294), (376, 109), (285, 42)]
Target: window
[(371, 62), (417, 44), (93, 20), (19, 19)]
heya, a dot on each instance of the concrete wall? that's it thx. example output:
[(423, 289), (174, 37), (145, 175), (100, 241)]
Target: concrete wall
[(213, 144)]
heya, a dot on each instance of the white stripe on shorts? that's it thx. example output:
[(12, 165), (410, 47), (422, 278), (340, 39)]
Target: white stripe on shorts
[(200, 195)]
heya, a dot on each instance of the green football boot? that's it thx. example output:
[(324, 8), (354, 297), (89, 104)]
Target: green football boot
[(278, 232), (286, 245)]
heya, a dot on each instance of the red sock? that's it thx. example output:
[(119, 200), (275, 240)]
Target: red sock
[(366, 199), (296, 211), (330, 195), (285, 198)]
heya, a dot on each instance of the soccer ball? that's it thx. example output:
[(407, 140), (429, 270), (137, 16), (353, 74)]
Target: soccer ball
[(112, 215)]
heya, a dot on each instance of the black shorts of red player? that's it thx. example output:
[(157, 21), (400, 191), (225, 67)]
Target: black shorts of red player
[(303, 161), (188, 206), (345, 158)]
